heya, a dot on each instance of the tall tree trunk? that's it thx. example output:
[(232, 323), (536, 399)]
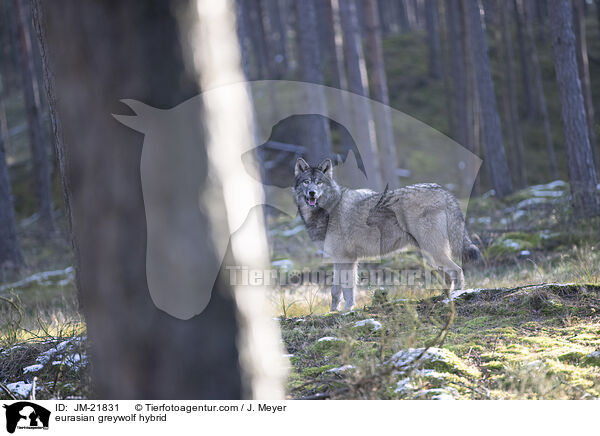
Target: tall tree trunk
[(541, 110), (388, 159), (137, 350), (433, 38), (526, 87), (584, 69), (310, 71), (492, 133), (582, 173), (276, 38), (472, 111), (357, 83), (509, 99), (329, 57), (458, 108), (39, 156), (10, 253)]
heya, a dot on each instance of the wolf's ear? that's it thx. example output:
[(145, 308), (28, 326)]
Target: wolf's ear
[(300, 167), (327, 167)]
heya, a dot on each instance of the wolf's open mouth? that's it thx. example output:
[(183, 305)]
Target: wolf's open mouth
[(312, 202)]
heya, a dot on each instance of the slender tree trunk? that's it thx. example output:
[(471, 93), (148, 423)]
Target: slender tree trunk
[(10, 253), (357, 83), (388, 159), (492, 133), (137, 350), (433, 38), (584, 69), (276, 38), (330, 61), (41, 165), (541, 109), (472, 111), (509, 98), (309, 58), (527, 90), (582, 173), (458, 108)]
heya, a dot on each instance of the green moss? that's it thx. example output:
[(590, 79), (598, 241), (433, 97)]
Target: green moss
[(316, 371)]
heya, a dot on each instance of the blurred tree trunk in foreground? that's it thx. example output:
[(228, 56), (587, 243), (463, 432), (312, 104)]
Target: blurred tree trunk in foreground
[(388, 159), (356, 73), (582, 173), (584, 68), (39, 156), (509, 97), (132, 50), (540, 108), (495, 159)]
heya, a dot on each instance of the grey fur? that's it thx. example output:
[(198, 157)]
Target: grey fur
[(359, 223)]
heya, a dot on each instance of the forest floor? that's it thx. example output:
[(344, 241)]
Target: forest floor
[(527, 327)]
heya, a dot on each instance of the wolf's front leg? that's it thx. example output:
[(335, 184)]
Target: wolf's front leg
[(344, 282)]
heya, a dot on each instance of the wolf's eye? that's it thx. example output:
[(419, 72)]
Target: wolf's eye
[(305, 182)]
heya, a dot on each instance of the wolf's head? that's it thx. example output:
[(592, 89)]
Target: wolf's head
[(314, 186)]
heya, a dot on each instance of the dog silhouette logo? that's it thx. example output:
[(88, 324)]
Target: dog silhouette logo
[(26, 415)]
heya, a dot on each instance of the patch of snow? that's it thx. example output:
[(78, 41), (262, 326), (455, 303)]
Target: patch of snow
[(286, 264), (455, 294), (404, 357), (350, 312), (328, 339), (287, 356), (509, 243), (518, 215), (292, 232), (594, 355), (33, 368), (549, 186), (369, 322), (485, 220), (541, 193), (403, 385), (531, 202), (41, 278), (21, 388), (525, 253), (341, 369)]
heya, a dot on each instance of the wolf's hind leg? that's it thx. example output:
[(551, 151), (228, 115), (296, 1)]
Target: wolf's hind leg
[(336, 296)]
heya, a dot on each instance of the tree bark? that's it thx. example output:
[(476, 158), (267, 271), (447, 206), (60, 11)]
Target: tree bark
[(492, 134), (329, 57), (276, 38), (526, 87), (509, 99), (309, 58), (39, 156), (10, 253), (584, 69), (582, 173), (433, 38), (357, 83), (128, 49), (541, 109), (388, 159)]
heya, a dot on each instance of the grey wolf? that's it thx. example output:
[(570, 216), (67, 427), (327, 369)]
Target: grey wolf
[(355, 224)]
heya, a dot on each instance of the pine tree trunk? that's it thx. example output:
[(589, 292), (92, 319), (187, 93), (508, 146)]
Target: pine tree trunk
[(388, 159), (309, 59), (526, 87), (582, 173), (276, 32), (541, 110), (357, 83), (433, 38), (39, 156), (509, 99), (584, 69), (492, 134), (10, 253), (330, 61), (137, 350)]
